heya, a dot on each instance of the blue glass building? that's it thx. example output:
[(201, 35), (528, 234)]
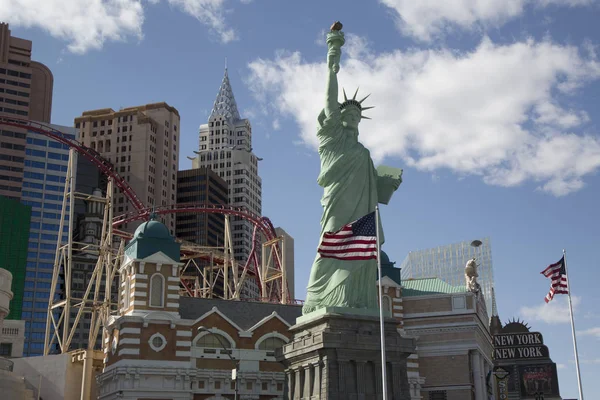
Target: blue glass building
[(43, 187)]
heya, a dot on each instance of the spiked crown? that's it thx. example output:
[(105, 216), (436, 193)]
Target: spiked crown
[(356, 103)]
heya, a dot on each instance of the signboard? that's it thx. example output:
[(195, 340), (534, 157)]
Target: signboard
[(537, 380), (501, 375), (518, 339), (523, 353)]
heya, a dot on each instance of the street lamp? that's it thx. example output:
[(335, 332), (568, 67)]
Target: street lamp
[(236, 363)]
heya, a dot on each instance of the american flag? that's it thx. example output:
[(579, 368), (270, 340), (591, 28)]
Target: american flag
[(558, 274), (354, 241)]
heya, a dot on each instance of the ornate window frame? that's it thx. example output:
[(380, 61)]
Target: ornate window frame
[(151, 290), (151, 342)]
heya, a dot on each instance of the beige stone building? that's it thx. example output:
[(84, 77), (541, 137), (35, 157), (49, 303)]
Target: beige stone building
[(25, 93), (163, 346), (142, 143), (454, 345)]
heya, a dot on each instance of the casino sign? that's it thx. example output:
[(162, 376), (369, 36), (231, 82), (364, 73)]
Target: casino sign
[(522, 364)]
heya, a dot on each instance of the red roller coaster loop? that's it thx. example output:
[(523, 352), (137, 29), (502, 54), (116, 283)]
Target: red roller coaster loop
[(92, 155), (261, 224)]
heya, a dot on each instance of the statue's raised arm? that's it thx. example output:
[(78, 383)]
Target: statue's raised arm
[(335, 41)]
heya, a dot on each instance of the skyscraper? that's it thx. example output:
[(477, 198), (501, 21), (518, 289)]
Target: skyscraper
[(26, 93), (448, 263), (43, 188), (289, 260), (201, 186), (225, 146), (142, 143)]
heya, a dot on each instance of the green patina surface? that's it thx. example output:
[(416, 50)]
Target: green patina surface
[(152, 237), (352, 189), (14, 240), (426, 286)]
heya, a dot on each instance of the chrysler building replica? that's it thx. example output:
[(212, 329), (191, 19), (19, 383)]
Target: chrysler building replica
[(225, 146)]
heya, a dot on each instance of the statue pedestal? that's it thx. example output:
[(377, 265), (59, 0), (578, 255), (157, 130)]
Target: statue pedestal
[(335, 354)]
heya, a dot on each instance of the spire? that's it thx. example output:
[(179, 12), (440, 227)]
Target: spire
[(225, 102), (494, 307)]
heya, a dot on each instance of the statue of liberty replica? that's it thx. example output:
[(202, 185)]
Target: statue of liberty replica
[(341, 348), (342, 277)]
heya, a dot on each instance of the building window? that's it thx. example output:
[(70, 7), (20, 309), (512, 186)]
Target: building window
[(157, 288), (438, 395), (271, 343), (157, 342), (213, 342), (127, 294), (387, 303), (6, 349)]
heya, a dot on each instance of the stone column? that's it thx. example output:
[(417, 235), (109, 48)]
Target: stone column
[(477, 381), (307, 381), (360, 377), (316, 384), (288, 390), (297, 384)]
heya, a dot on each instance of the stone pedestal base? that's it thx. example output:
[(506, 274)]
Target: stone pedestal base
[(335, 355)]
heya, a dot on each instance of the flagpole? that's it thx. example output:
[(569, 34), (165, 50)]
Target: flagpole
[(573, 327), (381, 325)]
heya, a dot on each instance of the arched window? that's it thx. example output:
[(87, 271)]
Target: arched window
[(271, 343), (211, 341), (127, 293), (157, 290), (387, 304)]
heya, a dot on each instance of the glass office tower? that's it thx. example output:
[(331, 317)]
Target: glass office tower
[(43, 185), (448, 263)]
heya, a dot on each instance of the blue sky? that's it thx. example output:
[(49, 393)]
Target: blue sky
[(491, 109)]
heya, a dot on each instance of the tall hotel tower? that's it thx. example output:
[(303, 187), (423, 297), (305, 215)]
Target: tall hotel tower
[(142, 143), (25, 93), (226, 148)]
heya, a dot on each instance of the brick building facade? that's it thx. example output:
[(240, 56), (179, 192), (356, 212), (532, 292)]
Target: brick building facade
[(454, 345), (163, 346)]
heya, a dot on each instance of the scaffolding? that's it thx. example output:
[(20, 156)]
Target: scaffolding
[(65, 311)]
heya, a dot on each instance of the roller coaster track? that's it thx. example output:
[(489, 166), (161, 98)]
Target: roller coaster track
[(261, 224)]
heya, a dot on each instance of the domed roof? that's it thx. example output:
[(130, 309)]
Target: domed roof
[(385, 259), (152, 229)]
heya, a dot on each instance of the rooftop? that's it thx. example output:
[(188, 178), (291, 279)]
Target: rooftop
[(244, 313), (427, 286)]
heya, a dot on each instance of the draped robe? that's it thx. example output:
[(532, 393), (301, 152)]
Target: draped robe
[(349, 180)]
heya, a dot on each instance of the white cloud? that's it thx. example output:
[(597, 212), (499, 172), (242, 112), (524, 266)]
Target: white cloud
[(495, 111), (209, 12), (561, 366), (88, 24), (555, 312), (428, 19), (276, 124), (590, 332)]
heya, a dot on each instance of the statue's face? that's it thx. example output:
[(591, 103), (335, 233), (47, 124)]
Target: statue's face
[(350, 117)]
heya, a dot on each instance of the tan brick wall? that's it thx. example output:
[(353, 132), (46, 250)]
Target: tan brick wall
[(435, 304), (445, 370), (409, 322)]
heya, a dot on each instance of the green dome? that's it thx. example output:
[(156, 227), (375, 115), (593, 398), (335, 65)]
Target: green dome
[(152, 229), (384, 257)]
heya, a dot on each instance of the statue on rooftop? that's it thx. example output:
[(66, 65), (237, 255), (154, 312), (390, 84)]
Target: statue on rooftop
[(352, 189), (471, 276)]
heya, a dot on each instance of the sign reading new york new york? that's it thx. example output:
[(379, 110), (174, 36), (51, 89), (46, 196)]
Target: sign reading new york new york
[(514, 346)]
